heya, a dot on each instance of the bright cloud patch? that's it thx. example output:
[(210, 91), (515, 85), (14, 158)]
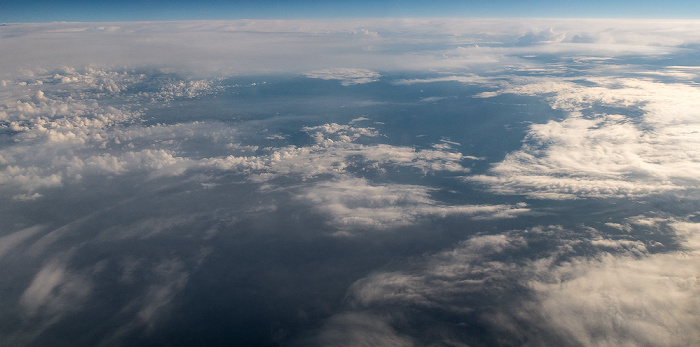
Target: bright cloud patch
[(346, 76), (334, 150), (597, 154), (355, 203)]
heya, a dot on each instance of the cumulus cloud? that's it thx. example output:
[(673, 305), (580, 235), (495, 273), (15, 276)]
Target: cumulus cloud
[(70, 127), (66, 124), (335, 149), (595, 154)]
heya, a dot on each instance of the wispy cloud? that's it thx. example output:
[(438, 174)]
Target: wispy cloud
[(354, 203), (54, 291), (346, 76), (625, 296)]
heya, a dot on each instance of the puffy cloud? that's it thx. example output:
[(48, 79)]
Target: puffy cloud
[(592, 154), (28, 179), (67, 124), (335, 149), (159, 162)]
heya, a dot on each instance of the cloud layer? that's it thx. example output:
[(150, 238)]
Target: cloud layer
[(381, 182)]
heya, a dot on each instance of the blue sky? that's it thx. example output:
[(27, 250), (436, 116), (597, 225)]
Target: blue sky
[(133, 10)]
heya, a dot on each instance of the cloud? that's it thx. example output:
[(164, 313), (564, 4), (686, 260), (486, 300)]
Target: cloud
[(621, 295), (595, 154), (471, 78), (150, 308), (336, 149), (265, 46), (358, 329), (65, 124), (545, 36), (8, 242), (159, 162), (622, 137), (346, 76), (55, 291), (171, 278), (355, 203), (443, 277), (621, 300)]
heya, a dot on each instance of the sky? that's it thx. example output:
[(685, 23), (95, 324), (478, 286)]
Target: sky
[(14, 11)]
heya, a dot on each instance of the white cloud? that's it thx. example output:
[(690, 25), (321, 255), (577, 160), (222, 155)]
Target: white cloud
[(28, 178), (159, 162), (331, 154), (346, 76), (457, 272), (606, 155), (612, 300), (66, 124), (473, 79), (263, 46), (355, 203)]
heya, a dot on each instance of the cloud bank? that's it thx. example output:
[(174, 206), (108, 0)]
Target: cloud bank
[(650, 147)]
